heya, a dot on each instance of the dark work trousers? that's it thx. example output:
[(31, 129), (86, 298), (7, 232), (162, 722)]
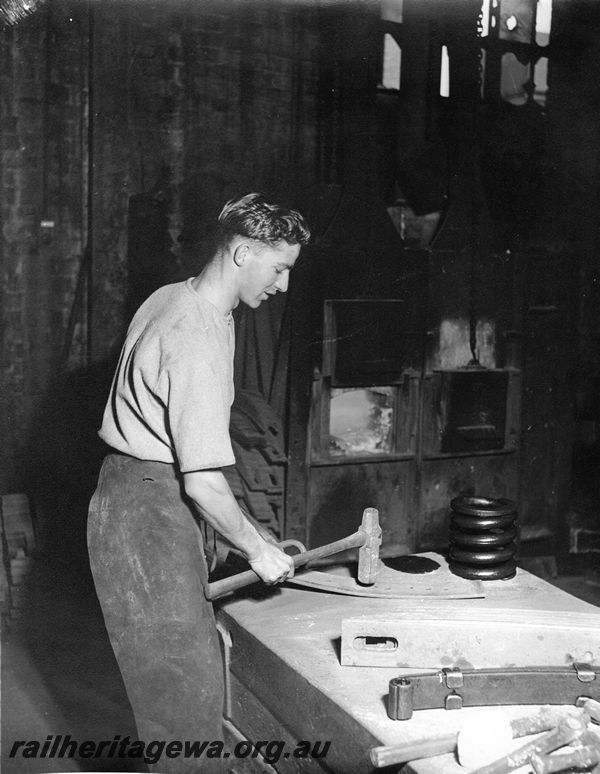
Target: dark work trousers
[(149, 569)]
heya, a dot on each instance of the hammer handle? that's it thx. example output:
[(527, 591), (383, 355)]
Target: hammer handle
[(233, 583), (393, 755)]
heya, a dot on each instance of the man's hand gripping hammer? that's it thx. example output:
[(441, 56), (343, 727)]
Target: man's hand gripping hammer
[(367, 539)]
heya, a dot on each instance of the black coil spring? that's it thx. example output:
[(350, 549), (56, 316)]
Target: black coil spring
[(483, 535)]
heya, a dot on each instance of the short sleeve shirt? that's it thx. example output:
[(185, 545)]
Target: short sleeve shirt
[(172, 392)]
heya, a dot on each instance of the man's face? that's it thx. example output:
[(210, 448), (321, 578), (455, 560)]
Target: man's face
[(266, 271)]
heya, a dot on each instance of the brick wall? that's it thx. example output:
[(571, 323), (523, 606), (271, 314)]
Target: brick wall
[(193, 101), (42, 150), (188, 102)]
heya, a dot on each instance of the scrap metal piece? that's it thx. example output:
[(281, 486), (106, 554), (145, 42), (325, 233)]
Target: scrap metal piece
[(565, 732)]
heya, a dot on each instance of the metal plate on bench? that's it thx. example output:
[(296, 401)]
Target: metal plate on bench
[(432, 637), (397, 578)]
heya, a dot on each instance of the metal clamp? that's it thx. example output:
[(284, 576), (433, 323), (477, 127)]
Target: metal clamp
[(584, 672), (453, 701), (453, 678)]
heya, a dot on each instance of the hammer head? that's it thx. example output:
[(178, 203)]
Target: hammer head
[(368, 553)]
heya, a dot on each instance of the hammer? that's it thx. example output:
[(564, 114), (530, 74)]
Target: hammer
[(367, 539), (463, 742)]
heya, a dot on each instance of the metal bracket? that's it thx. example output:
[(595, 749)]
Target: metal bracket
[(453, 701), (453, 678), (584, 672)]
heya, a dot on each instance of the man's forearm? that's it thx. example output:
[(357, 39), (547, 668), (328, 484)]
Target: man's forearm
[(210, 493)]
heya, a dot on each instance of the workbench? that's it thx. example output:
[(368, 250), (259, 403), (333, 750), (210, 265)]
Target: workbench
[(285, 681)]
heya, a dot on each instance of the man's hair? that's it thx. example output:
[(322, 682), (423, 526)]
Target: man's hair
[(253, 217)]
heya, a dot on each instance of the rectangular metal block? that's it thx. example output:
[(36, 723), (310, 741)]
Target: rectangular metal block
[(435, 638)]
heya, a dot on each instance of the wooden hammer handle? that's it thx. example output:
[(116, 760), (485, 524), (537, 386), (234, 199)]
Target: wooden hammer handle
[(227, 585), (393, 755)]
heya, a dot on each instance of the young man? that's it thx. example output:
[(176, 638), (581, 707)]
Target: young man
[(167, 419)]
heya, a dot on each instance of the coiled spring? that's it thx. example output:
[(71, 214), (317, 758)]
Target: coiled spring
[(483, 535)]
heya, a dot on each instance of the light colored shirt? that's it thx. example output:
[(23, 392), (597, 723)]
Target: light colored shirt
[(172, 392)]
